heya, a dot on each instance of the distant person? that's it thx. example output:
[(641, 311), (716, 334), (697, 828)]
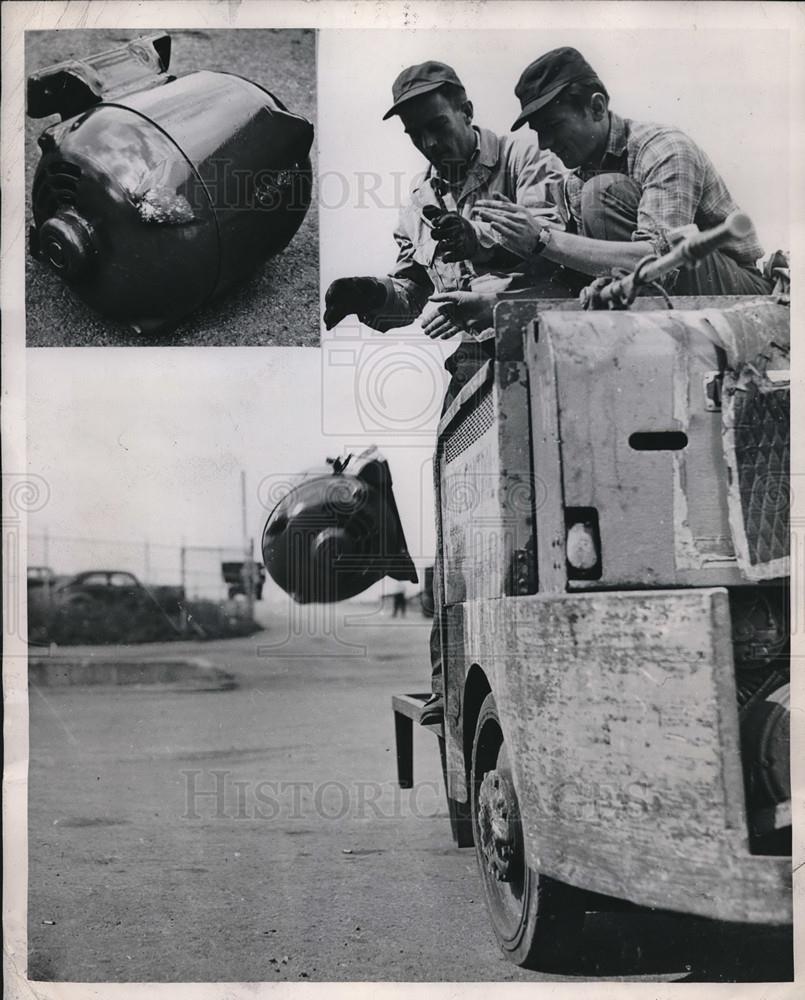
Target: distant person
[(400, 602)]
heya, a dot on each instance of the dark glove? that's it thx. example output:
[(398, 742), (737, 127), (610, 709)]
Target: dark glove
[(351, 295), (455, 236)]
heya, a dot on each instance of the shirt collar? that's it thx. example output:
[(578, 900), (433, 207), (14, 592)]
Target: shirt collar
[(486, 147), (616, 140), (485, 152), (614, 150), (483, 159)]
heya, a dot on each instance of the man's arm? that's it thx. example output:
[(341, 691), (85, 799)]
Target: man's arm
[(670, 173), (520, 230), (531, 178), (408, 288), (539, 185), (382, 303), (595, 257)]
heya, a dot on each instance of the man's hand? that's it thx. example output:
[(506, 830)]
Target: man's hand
[(455, 235), (449, 313), (514, 225), (438, 322), (351, 295)]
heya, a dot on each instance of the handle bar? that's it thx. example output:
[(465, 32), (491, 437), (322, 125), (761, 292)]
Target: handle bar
[(687, 252)]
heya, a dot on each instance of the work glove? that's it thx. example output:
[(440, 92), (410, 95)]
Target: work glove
[(352, 295), (455, 236)]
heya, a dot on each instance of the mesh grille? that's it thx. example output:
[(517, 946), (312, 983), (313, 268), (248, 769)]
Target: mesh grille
[(470, 428), (757, 441)]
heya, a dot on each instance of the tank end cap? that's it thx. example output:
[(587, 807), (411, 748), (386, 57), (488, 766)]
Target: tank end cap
[(64, 243)]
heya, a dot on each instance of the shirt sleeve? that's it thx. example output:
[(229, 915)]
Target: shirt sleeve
[(670, 172), (408, 288), (539, 184), (535, 180)]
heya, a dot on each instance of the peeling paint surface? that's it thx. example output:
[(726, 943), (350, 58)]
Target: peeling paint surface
[(163, 206), (620, 714)]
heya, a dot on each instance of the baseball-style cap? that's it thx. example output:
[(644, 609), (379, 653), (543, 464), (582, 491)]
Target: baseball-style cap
[(418, 80), (546, 77)]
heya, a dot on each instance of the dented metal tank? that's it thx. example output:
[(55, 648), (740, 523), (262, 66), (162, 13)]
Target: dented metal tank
[(155, 194), (337, 533)]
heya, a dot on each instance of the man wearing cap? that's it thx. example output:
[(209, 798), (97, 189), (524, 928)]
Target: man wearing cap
[(440, 247), (630, 185)]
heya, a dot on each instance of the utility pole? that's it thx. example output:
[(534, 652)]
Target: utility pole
[(248, 561), (183, 574), (49, 579)]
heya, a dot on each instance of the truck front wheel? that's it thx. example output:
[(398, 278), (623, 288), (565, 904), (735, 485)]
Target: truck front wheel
[(535, 918)]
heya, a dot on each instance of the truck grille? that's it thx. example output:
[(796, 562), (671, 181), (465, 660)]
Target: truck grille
[(757, 449), (469, 429)]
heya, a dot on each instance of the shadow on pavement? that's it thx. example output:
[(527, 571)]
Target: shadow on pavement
[(644, 943)]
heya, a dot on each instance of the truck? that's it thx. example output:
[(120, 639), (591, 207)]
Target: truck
[(613, 523), (236, 576)]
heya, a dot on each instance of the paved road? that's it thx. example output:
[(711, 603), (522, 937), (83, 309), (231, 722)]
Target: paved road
[(257, 834), (278, 305)]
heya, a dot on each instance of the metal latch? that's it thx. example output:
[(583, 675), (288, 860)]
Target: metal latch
[(523, 573), (713, 387)]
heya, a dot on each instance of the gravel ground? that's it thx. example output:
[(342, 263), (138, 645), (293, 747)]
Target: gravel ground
[(278, 305), (258, 833)]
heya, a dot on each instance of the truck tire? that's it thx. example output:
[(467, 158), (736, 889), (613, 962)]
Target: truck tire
[(537, 920)]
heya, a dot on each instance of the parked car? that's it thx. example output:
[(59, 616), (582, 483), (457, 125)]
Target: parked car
[(113, 606), (111, 587), (115, 588)]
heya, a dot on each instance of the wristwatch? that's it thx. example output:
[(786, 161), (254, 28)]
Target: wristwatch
[(543, 239)]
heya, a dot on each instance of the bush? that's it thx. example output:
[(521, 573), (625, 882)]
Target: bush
[(88, 622)]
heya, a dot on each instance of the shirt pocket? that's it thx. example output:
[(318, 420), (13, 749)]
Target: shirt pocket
[(448, 277), (424, 245), (445, 277)]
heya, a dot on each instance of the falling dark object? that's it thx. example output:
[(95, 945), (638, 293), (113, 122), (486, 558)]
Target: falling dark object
[(155, 194), (337, 533)]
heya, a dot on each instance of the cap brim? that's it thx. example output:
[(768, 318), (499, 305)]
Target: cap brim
[(423, 88), (537, 104)]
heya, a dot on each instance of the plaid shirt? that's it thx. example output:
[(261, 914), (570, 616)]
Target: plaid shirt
[(679, 185)]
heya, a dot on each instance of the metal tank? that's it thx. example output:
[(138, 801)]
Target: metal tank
[(337, 532), (155, 194)]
